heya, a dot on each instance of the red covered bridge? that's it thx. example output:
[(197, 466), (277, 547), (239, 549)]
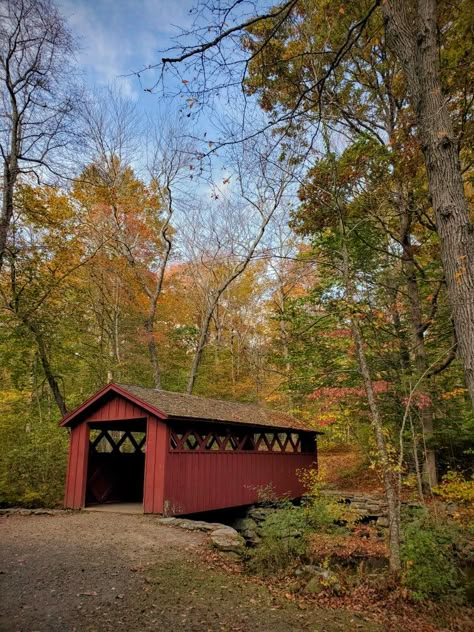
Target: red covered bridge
[(180, 454)]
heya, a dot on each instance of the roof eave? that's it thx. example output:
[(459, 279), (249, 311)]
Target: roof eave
[(68, 419), (241, 424)]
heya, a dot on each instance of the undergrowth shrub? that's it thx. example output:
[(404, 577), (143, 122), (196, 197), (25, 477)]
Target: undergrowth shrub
[(456, 488), (33, 460), (286, 533), (429, 557), (282, 539)]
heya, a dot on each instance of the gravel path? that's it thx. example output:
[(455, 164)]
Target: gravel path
[(70, 570), (96, 572)]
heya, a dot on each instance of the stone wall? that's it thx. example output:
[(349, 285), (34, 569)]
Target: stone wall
[(371, 508)]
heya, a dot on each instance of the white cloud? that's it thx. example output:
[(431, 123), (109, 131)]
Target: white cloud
[(122, 36)]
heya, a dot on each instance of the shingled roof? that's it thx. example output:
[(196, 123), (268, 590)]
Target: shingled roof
[(179, 405)]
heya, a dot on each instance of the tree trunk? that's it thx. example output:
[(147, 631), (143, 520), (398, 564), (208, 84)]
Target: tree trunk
[(412, 35), (201, 343), (7, 207), (152, 347), (48, 371), (216, 295), (390, 478), (417, 335), (389, 475)]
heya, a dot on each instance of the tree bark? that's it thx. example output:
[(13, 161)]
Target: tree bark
[(411, 29), (10, 175)]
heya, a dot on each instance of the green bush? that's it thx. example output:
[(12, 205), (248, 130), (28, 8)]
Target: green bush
[(326, 515), (429, 557), (282, 539), (285, 532), (32, 460)]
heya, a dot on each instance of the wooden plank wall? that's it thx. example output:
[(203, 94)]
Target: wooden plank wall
[(203, 481), (157, 442), (75, 495), (116, 409)]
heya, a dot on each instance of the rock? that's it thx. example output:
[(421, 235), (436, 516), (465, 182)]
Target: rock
[(244, 524), (307, 569), (191, 525), (314, 586), (382, 521), (227, 539), (208, 527), (247, 527), (168, 520), (259, 514), (199, 525), (323, 579)]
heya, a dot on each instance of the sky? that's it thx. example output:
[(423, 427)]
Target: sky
[(119, 37)]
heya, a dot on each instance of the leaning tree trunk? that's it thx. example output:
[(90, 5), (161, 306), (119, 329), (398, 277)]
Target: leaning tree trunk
[(48, 371), (417, 335), (390, 477), (412, 35)]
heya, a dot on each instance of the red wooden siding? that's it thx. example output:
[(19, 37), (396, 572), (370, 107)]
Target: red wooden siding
[(189, 465), (77, 467), (117, 408), (203, 481), (157, 441)]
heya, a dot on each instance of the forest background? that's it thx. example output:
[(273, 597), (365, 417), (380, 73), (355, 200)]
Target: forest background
[(284, 268)]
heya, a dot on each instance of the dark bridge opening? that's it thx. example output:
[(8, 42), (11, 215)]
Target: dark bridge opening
[(116, 465)]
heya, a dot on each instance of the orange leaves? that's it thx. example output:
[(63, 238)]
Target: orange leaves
[(456, 392)]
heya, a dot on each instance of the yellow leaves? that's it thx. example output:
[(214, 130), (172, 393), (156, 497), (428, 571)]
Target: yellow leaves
[(456, 392), (456, 488)]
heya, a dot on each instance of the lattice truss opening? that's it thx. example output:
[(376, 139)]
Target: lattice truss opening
[(185, 440), (114, 441)]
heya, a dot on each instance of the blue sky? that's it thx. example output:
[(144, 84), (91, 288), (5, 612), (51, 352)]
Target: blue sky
[(118, 37)]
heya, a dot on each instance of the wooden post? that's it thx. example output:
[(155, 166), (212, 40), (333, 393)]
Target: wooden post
[(75, 496), (157, 447)]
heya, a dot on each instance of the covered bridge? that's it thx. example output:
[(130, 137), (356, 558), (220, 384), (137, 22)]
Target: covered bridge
[(180, 454)]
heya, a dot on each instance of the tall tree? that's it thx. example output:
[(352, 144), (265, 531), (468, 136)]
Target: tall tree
[(412, 31), (37, 97), (413, 35), (260, 187)]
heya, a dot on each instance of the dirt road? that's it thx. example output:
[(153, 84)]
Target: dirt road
[(96, 572)]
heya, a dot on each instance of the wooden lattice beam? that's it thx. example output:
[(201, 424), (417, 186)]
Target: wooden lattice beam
[(225, 441)]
